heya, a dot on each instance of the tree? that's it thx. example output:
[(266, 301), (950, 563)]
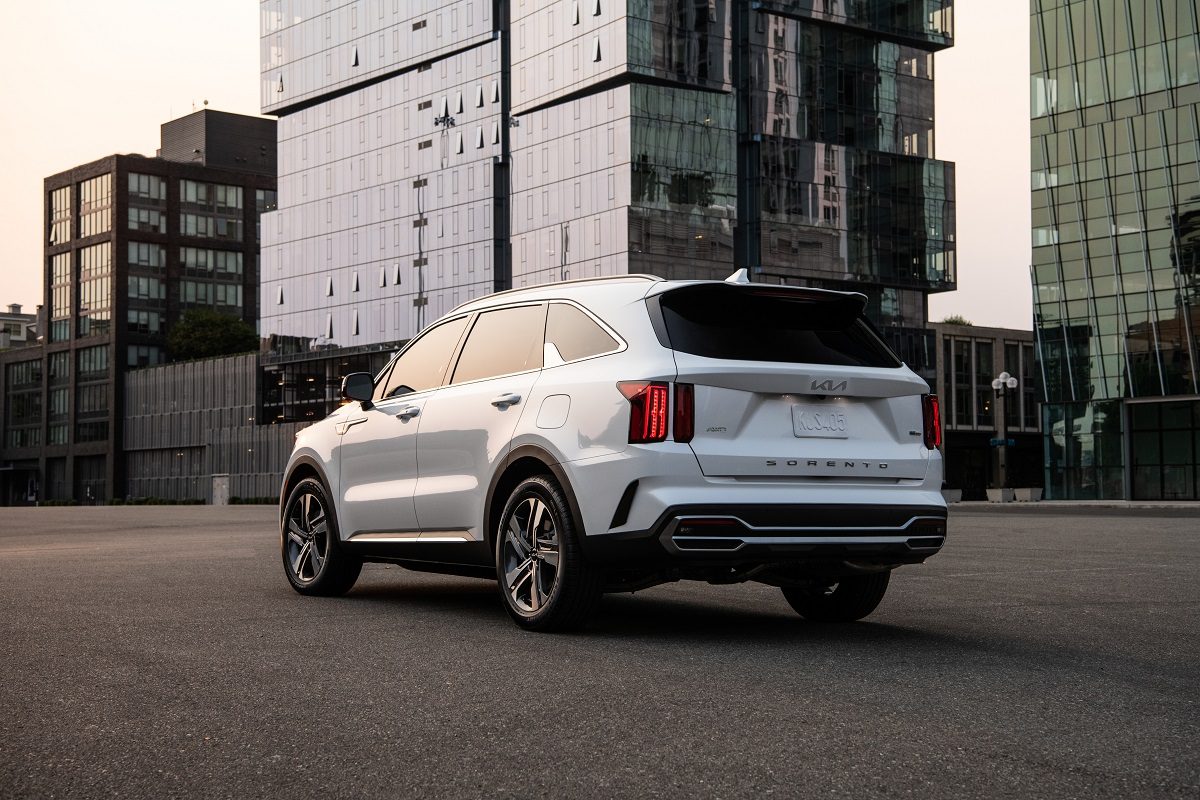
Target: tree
[(956, 319), (204, 333)]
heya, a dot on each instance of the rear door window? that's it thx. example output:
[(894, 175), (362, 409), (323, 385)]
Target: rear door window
[(752, 324), (576, 335), (502, 342), (423, 365)]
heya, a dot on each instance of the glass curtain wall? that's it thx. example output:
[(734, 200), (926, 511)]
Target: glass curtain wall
[(1116, 223)]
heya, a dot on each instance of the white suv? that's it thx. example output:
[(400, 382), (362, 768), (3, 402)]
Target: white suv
[(608, 435)]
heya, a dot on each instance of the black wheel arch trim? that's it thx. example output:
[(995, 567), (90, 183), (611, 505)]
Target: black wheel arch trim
[(307, 461), (556, 470)]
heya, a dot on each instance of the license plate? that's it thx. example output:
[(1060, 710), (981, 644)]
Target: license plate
[(820, 422)]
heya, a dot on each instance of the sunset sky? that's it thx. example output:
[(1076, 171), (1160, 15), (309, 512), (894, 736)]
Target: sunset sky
[(87, 79)]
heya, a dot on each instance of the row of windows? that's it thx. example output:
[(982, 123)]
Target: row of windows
[(23, 437), (95, 431), (98, 323), (204, 226), (1086, 30), (24, 408), (142, 288), (145, 254), (91, 399), (140, 355), (145, 322), (147, 219), (25, 373), (92, 360), (210, 294), (218, 197), (147, 188), (968, 370), (196, 259), (1117, 77)]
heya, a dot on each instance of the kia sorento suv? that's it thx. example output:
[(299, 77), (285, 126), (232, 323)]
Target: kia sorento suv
[(612, 434)]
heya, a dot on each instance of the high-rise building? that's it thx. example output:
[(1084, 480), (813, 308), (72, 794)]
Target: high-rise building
[(131, 243), (1116, 245), (432, 152)]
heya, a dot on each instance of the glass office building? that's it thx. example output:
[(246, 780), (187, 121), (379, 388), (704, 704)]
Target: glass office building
[(430, 153), (1116, 245)]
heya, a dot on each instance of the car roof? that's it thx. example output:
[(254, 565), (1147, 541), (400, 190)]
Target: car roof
[(621, 287)]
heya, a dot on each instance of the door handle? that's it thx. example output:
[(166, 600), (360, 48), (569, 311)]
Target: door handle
[(408, 412), (506, 400)]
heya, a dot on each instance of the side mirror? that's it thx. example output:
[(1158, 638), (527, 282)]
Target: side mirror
[(358, 386)]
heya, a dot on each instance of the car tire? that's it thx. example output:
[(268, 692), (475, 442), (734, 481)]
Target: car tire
[(313, 559), (545, 583), (848, 600)]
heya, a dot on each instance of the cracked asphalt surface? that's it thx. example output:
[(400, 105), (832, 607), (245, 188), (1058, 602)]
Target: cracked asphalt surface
[(159, 652)]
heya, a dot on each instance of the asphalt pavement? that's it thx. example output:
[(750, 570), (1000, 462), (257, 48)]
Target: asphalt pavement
[(159, 652)]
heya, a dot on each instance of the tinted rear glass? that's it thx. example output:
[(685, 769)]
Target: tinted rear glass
[(731, 322), (575, 334)]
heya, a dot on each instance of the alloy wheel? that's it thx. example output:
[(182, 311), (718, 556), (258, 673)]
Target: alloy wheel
[(308, 537), (531, 555)]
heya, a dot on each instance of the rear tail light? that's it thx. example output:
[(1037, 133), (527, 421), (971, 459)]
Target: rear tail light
[(932, 414), (685, 412), (648, 403)]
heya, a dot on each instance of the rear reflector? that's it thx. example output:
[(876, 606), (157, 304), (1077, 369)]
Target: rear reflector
[(648, 402), (933, 421), (685, 412)]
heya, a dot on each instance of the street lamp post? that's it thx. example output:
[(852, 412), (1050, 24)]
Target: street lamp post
[(1003, 385)]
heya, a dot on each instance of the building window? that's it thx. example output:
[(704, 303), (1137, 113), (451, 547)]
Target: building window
[(201, 261), (59, 367), (60, 215), (984, 416), (95, 206), (209, 227), (146, 255), (141, 288), (60, 297), (147, 188), (96, 431), (962, 383), (147, 219), (140, 355), (144, 322), (92, 361), (220, 295), (1030, 384), (95, 291)]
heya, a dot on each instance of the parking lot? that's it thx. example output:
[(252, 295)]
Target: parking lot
[(159, 651)]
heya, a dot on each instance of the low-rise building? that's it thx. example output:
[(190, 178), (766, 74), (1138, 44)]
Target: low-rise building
[(976, 419), (17, 329)]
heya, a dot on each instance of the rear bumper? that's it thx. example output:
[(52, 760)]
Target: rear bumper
[(777, 534)]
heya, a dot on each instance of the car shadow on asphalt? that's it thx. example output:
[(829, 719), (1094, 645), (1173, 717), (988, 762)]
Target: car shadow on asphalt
[(668, 619), (643, 616)]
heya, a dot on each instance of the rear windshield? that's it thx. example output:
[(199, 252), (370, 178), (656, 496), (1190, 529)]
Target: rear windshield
[(732, 322)]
